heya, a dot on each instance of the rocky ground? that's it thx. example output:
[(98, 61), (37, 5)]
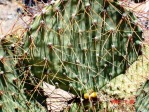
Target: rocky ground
[(12, 16), (10, 20)]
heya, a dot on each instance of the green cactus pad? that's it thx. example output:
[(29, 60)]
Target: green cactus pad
[(142, 101), (81, 45), (13, 97)]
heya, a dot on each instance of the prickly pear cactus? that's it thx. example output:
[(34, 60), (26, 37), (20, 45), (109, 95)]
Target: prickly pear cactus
[(76, 45), (81, 45), (13, 97), (142, 101)]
